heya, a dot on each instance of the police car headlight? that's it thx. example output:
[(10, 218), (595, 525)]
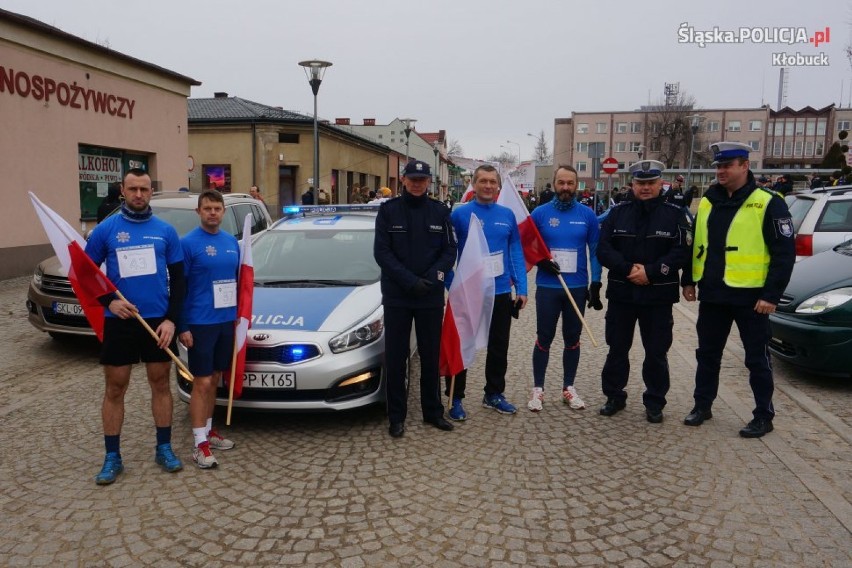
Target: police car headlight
[(363, 334), (825, 301), (37, 276)]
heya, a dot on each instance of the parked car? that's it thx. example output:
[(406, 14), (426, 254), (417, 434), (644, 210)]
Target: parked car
[(822, 218), (812, 326), (316, 341), (51, 303)]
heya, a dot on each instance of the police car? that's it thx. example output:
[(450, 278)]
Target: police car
[(316, 340)]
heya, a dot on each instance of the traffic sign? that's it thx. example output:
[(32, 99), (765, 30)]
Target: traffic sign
[(610, 166)]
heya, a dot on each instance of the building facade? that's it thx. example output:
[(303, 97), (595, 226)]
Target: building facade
[(75, 117)]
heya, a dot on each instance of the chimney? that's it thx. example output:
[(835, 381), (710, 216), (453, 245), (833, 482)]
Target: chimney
[(369, 122), (220, 95), (342, 121), (442, 135)]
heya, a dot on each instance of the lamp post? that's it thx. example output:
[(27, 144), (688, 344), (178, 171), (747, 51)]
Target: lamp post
[(408, 128), (694, 125), (519, 150), (314, 71), (437, 176)]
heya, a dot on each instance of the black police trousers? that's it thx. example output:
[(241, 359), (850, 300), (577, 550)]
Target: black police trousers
[(427, 326), (655, 329)]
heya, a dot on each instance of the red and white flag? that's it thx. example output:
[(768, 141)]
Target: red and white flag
[(468, 194), (245, 290), (87, 280), (469, 305), (534, 248)]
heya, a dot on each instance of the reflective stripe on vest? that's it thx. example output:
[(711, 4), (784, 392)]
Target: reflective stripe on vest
[(746, 254)]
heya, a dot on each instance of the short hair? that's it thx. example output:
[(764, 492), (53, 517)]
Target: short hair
[(567, 167), (136, 172), (487, 168), (210, 195)]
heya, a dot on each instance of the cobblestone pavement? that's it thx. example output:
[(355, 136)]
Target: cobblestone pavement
[(558, 488)]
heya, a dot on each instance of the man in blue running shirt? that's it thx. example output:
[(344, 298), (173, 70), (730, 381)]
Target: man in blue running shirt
[(569, 231), (144, 260), (506, 265), (211, 260)]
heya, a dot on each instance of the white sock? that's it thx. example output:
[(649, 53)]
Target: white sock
[(200, 436), (209, 426)]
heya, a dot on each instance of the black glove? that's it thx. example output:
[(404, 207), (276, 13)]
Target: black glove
[(595, 296), (548, 265), (421, 287)]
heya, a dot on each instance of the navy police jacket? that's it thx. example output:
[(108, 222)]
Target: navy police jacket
[(652, 233), (414, 240)]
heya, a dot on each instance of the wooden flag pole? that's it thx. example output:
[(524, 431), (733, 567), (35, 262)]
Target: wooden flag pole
[(231, 383), (577, 310)]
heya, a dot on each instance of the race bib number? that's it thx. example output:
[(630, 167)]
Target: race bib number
[(136, 261), (494, 265), (224, 293), (566, 258)]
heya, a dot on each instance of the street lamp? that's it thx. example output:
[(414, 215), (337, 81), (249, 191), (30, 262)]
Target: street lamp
[(641, 151), (315, 71), (519, 150), (694, 125), (437, 176), (408, 128)]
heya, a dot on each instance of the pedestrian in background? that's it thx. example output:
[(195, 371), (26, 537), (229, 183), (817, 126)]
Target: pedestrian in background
[(644, 244), (742, 258), (415, 247)]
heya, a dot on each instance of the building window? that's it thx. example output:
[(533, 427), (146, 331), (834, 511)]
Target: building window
[(655, 127), (581, 185), (800, 127), (583, 147), (380, 136), (776, 148), (797, 151), (842, 125), (634, 146), (655, 145), (789, 125), (621, 146), (810, 127), (752, 165), (779, 128), (788, 148), (288, 138), (582, 128), (821, 126), (734, 126), (755, 145), (755, 125), (216, 176), (621, 127), (580, 167), (809, 148), (713, 126), (635, 127), (600, 127), (770, 129), (819, 148), (394, 132)]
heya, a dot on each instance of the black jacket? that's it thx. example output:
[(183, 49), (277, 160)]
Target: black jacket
[(414, 240), (777, 234), (653, 233)]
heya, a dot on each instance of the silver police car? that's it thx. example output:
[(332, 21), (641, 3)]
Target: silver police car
[(316, 340)]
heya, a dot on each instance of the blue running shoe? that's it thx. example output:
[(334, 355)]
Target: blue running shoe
[(166, 458), (499, 403), (457, 412), (109, 472)]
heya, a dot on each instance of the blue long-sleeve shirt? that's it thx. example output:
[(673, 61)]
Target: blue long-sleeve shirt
[(568, 234), (504, 241)]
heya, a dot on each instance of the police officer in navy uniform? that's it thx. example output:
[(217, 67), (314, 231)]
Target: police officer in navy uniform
[(742, 258), (415, 246), (644, 243)]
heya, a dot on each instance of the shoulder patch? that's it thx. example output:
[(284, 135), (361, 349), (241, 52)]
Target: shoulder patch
[(784, 226)]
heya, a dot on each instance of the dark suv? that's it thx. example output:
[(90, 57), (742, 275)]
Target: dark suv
[(52, 305)]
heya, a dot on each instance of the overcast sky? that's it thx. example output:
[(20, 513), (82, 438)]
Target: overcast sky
[(486, 71)]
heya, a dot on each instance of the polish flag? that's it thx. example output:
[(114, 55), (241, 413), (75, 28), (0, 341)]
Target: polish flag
[(534, 248), (468, 194), (469, 305), (245, 290), (87, 280)]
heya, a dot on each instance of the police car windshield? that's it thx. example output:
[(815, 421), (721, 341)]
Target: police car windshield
[(325, 257)]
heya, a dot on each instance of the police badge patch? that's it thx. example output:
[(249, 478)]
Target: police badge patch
[(785, 226), (664, 269)]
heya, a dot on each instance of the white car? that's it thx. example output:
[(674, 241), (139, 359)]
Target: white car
[(316, 340), (822, 218)]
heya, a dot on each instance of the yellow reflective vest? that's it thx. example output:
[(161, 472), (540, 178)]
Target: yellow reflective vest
[(746, 254)]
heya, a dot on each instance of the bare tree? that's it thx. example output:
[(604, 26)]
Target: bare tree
[(541, 153), (455, 150), (506, 158), (670, 134)]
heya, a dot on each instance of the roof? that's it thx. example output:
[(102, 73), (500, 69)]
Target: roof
[(231, 108), (41, 27)]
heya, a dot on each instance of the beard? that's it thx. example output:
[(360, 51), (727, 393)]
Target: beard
[(566, 195)]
